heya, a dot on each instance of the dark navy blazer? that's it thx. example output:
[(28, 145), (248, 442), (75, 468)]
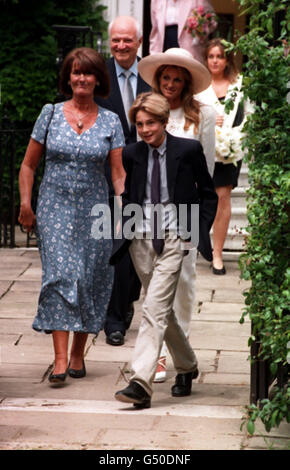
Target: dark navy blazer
[(114, 101), (188, 180)]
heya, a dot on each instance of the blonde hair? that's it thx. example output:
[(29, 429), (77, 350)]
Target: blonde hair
[(152, 103), (190, 106)]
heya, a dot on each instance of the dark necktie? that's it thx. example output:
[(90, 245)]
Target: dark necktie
[(158, 244), (128, 95)]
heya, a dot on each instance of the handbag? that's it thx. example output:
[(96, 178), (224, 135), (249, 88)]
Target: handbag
[(48, 125)]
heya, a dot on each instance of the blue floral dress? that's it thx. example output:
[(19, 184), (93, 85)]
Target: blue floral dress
[(76, 277)]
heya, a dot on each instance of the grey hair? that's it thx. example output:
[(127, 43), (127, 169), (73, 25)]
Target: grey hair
[(139, 31)]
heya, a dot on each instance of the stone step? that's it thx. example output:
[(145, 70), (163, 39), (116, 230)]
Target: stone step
[(243, 177), (239, 211), (238, 197), (235, 239), (232, 255), (238, 218)]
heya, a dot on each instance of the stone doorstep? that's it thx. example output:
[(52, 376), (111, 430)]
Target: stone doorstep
[(107, 431), (114, 407)]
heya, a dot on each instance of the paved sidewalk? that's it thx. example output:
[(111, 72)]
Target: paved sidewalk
[(84, 414)]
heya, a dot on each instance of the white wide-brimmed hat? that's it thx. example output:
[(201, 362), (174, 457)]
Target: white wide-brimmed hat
[(179, 57)]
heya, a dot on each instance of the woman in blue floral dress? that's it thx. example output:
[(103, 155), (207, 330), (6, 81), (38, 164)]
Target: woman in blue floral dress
[(79, 136)]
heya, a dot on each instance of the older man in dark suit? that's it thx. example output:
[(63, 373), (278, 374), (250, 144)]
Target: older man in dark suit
[(166, 172), (126, 84)]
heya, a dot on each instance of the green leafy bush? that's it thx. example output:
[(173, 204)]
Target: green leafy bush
[(28, 72), (28, 52), (266, 262)]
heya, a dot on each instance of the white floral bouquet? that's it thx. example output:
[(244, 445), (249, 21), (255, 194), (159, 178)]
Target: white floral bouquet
[(200, 23), (228, 142)]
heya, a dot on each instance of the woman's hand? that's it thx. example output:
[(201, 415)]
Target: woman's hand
[(219, 120), (27, 218), (26, 177)]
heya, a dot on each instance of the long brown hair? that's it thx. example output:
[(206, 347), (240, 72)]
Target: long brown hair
[(231, 71), (190, 106)]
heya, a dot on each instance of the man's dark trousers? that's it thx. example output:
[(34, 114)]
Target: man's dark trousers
[(126, 285)]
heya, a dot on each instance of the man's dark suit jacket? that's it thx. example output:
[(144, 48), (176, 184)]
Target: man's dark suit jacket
[(188, 183), (114, 101)]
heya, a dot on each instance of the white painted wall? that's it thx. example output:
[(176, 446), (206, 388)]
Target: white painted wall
[(124, 7)]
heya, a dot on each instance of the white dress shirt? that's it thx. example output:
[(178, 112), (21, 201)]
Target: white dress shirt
[(169, 220)]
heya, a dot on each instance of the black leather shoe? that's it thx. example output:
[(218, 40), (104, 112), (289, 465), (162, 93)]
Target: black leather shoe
[(77, 373), (129, 317), (182, 386), (135, 394), (219, 272), (57, 378), (115, 339)]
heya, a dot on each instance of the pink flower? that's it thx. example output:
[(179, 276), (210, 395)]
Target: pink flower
[(192, 23), (200, 10), (200, 22)]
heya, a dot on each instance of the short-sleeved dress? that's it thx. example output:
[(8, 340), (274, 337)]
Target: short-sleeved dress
[(76, 276)]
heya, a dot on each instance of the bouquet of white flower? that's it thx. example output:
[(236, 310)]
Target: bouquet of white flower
[(229, 144)]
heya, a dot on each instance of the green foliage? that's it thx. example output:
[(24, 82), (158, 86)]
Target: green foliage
[(273, 411), (266, 262), (28, 72), (28, 51)]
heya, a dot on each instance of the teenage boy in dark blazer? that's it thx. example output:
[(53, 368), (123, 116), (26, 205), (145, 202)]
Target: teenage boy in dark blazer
[(125, 39), (179, 171)]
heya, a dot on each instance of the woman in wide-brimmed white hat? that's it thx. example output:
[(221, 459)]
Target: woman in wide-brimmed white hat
[(178, 76)]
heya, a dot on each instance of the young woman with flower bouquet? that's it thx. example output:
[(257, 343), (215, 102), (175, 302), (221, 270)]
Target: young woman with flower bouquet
[(170, 19), (226, 85)]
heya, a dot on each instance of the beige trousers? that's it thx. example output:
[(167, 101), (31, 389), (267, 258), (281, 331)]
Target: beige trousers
[(159, 277), (185, 295)]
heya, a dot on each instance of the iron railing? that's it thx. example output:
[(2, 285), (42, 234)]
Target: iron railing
[(13, 141), (261, 378)]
